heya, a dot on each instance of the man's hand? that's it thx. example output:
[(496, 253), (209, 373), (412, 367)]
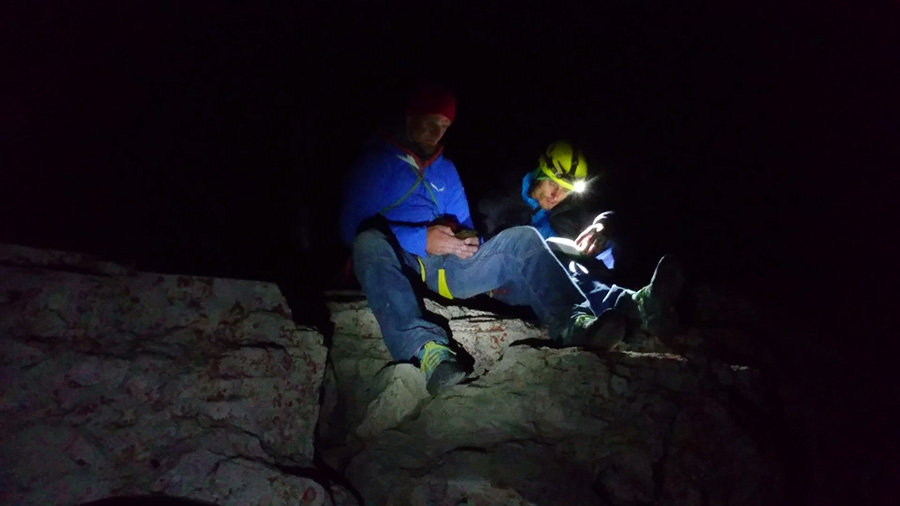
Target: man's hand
[(441, 241)]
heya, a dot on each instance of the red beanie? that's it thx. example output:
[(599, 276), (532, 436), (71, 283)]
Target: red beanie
[(431, 98)]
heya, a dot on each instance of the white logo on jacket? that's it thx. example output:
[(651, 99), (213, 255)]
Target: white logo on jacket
[(436, 188)]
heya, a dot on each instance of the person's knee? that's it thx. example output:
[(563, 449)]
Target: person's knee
[(523, 235), (521, 241)]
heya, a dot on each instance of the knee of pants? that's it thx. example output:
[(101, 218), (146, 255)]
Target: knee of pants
[(371, 244), (523, 236)]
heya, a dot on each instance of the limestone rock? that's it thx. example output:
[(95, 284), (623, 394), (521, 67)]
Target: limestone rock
[(396, 393), (119, 382)]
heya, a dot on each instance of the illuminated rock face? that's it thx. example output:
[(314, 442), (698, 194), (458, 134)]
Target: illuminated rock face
[(539, 425), (118, 382)]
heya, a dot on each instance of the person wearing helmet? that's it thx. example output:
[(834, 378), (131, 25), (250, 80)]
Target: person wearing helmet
[(543, 198), (562, 170), (549, 198), (406, 218), (550, 201)]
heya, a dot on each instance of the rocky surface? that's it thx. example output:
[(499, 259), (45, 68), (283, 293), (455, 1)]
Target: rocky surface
[(536, 425), (359, 370), (117, 382), (121, 383)]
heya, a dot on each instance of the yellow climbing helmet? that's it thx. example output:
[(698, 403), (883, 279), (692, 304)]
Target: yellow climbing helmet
[(564, 164)]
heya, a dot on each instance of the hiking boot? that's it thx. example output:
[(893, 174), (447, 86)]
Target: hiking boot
[(594, 332), (442, 369), (655, 303), (607, 331)]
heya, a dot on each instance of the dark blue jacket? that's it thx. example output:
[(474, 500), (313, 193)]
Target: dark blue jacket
[(540, 218), (410, 192)]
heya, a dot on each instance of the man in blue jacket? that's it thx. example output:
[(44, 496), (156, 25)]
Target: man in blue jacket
[(406, 216)]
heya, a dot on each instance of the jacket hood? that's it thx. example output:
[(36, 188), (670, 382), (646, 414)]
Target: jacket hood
[(527, 182)]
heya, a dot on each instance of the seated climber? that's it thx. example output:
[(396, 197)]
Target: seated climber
[(406, 217), (588, 248)]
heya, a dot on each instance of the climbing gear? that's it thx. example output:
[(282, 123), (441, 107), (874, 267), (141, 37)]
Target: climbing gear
[(563, 164), (443, 289), (655, 303), (419, 170), (440, 366)]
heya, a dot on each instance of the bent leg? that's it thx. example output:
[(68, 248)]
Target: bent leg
[(603, 296), (518, 261), (379, 269)]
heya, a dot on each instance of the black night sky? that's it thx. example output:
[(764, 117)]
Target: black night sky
[(206, 139)]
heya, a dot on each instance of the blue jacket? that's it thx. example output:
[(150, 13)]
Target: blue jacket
[(540, 218), (411, 193)]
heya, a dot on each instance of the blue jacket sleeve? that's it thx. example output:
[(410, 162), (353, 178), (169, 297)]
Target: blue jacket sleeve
[(363, 188)]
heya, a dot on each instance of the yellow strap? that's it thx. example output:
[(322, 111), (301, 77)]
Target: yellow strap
[(443, 289), (421, 268)]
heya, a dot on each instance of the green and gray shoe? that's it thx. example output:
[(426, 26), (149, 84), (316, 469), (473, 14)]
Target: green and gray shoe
[(442, 369), (595, 333), (655, 303)]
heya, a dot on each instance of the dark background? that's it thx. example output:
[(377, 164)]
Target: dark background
[(211, 138), (758, 142), (206, 139)]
